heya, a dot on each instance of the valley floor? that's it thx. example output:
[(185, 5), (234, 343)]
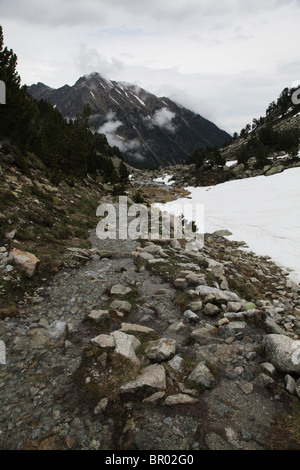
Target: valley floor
[(149, 346)]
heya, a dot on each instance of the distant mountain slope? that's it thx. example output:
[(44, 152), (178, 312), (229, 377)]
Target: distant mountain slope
[(150, 131)]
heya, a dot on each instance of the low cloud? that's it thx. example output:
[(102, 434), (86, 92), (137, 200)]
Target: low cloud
[(89, 60), (110, 127), (163, 118)]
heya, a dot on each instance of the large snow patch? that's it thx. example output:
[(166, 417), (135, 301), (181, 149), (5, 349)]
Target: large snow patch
[(262, 211)]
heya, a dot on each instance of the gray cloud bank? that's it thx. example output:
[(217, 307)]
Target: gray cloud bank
[(226, 60)]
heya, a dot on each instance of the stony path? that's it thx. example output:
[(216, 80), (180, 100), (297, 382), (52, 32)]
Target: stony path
[(42, 409), (39, 359)]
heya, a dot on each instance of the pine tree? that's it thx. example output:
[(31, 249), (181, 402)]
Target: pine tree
[(123, 172), (18, 116)]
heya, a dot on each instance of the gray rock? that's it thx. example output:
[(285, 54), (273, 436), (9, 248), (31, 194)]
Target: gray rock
[(145, 256), (152, 248), (268, 367), (247, 388), (211, 310), (104, 341), (290, 384), (273, 328), (8, 268), (263, 380), (246, 435), (195, 306), (121, 305), (156, 261), (274, 170), (202, 376), (176, 363), (154, 398), (98, 316), (238, 169), (39, 338), (222, 233), (195, 279), (57, 329), (101, 406), (11, 234), (175, 244), (180, 399), (161, 349), (297, 387), (126, 345), (153, 376), (283, 352), (181, 283), (119, 289), (226, 295), (234, 306), (232, 329), (138, 328), (191, 316), (201, 335)]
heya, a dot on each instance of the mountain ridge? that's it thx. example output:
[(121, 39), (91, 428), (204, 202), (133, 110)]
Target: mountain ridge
[(149, 131)]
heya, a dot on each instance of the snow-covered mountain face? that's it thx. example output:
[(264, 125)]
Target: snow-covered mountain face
[(150, 131)]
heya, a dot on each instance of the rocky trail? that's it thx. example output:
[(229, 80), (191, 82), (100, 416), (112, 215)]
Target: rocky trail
[(149, 346)]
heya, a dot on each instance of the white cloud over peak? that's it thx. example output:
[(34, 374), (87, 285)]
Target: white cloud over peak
[(163, 118), (109, 129)]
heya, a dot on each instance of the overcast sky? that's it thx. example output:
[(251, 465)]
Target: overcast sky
[(224, 59)]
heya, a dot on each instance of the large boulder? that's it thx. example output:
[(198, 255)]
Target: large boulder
[(26, 261), (283, 352)]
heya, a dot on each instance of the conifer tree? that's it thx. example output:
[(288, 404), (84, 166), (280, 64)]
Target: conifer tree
[(18, 116)]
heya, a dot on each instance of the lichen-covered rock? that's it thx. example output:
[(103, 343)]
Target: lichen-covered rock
[(26, 261)]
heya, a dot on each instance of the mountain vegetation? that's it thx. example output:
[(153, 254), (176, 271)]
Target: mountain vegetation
[(273, 133)]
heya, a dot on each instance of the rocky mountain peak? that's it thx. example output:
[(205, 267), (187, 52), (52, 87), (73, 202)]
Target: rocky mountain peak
[(150, 131)]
